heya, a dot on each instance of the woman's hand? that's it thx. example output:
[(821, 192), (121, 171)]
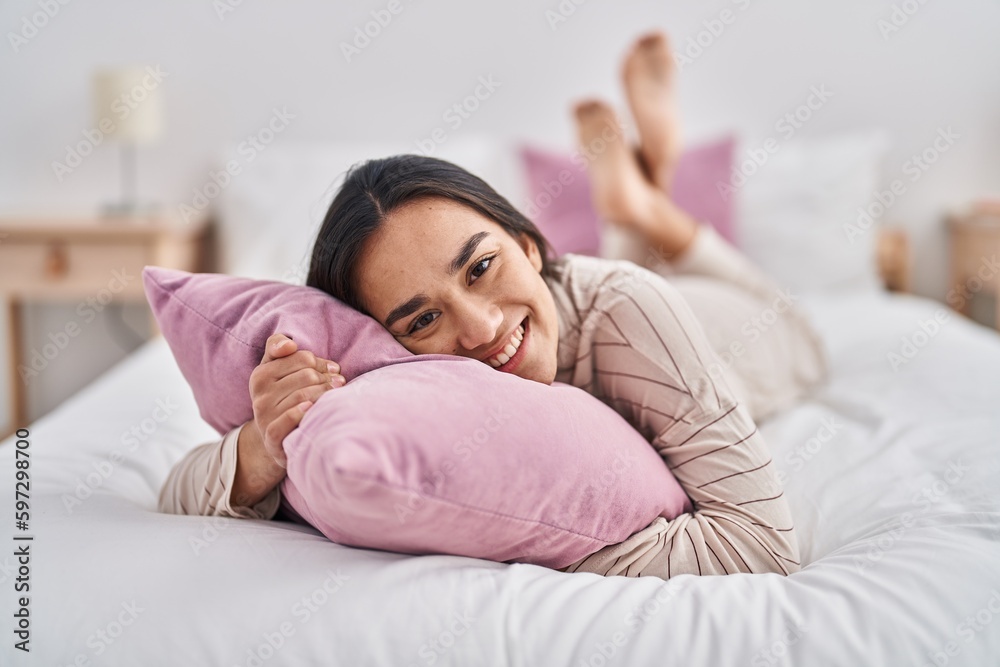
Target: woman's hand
[(284, 385)]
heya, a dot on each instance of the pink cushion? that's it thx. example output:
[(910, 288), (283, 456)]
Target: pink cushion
[(561, 207), (418, 453)]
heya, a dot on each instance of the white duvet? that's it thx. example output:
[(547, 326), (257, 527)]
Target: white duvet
[(892, 471)]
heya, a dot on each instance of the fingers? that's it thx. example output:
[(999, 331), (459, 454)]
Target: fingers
[(291, 410), (306, 377), (301, 394), (294, 378), (279, 429), (276, 369), (326, 365), (281, 346), (278, 345)]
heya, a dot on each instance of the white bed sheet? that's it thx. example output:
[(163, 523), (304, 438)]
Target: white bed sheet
[(890, 576)]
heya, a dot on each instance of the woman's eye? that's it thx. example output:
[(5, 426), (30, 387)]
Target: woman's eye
[(485, 260), (417, 322)]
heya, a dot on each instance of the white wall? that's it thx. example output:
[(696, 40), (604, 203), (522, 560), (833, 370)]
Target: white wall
[(940, 69)]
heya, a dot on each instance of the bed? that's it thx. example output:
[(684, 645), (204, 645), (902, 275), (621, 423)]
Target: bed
[(892, 472)]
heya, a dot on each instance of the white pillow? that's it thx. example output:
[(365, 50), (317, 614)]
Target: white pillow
[(270, 212), (798, 214)]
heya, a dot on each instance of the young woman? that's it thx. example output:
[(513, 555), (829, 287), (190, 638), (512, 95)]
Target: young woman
[(449, 266)]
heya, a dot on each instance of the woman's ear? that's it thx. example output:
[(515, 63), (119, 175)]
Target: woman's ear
[(531, 250)]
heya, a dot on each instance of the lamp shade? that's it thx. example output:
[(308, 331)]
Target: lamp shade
[(127, 103)]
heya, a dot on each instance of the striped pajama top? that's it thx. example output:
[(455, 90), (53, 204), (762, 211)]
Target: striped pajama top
[(630, 337)]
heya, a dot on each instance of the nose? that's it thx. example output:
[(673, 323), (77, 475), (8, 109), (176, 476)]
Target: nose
[(477, 324)]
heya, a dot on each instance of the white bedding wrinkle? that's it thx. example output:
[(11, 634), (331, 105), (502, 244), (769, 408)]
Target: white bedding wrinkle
[(892, 475)]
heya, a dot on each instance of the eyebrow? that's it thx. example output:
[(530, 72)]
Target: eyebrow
[(460, 260)]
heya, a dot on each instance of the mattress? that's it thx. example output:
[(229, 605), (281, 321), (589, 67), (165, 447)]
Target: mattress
[(892, 472)]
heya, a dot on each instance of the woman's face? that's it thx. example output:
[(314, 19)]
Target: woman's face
[(444, 279)]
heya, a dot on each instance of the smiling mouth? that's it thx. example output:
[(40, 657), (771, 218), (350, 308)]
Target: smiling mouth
[(511, 362)]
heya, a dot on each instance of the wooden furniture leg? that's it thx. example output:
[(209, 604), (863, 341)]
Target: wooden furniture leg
[(18, 398)]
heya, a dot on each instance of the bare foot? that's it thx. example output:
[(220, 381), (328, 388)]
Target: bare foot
[(648, 74), (620, 192)]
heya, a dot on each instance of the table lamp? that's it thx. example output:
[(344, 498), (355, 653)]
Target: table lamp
[(128, 110)]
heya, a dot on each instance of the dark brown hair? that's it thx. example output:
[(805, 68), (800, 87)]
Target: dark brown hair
[(374, 189)]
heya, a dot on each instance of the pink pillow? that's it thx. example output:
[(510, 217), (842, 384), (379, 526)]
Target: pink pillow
[(418, 454), (561, 207)]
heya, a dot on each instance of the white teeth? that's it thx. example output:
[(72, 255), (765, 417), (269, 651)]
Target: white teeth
[(510, 349)]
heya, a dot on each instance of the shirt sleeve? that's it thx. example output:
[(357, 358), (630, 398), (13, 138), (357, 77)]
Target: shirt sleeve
[(648, 358), (201, 483)]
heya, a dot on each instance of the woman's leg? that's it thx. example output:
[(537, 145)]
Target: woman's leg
[(648, 75), (767, 348), (621, 193), (624, 197)]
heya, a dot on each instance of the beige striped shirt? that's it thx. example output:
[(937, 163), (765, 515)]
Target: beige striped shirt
[(630, 336)]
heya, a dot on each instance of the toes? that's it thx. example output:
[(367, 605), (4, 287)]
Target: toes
[(649, 57), (596, 116), (589, 109), (656, 40)]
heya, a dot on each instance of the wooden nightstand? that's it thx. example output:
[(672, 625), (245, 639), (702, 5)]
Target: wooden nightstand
[(89, 261), (894, 259), (975, 271)]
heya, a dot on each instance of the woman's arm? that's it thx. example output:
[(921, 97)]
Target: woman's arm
[(257, 473), (645, 354), (211, 480), (239, 476)]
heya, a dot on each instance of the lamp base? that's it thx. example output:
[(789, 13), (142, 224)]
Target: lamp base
[(126, 211)]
